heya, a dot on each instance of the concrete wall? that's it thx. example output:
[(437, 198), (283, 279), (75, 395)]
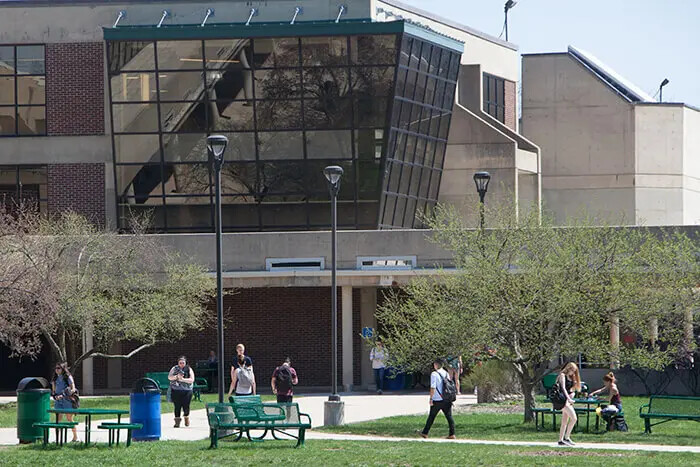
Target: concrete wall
[(495, 56), (691, 166), (586, 134)]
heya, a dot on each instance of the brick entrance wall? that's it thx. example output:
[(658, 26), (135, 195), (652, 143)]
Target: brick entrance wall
[(75, 88), (272, 323), (79, 188), (510, 99)]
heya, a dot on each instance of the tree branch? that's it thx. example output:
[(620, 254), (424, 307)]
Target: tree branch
[(54, 346), (122, 357)]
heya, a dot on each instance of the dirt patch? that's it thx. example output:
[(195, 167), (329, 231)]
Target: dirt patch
[(580, 453), (492, 409)]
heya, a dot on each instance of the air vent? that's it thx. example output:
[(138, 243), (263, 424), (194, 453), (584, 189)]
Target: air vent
[(386, 262), (293, 264)]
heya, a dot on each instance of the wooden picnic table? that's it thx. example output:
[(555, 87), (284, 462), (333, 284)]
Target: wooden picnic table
[(88, 416)]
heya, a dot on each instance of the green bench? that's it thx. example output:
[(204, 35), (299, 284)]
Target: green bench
[(114, 428), (540, 413), (667, 408), (233, 419), (61, 430), (161, 377)]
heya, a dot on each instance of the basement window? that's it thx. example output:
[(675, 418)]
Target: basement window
[(294, 264), (386, 262)]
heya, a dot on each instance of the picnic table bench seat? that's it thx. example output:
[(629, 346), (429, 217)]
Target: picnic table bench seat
[(61, 430), (114, 428), (161, 377), (668, 408), (233, 419)]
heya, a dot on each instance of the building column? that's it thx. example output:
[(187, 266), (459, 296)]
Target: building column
[(615, 341), (114, 369), (653, 331), (348, 360), (368, 307), (87, 383)]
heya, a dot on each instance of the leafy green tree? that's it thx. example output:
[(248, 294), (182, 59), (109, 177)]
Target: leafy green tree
[(62, 277), (527, 291)]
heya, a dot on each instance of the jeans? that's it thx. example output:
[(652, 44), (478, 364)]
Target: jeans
[(446, 408), (182, 400), (379, 378)]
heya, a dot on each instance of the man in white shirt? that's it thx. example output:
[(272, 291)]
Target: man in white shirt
[(436, 401), (377, 357)]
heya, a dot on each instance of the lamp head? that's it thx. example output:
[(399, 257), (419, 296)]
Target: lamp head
[(216, 144), (481, 179), (333, 174), (510, 4), (664, 82)]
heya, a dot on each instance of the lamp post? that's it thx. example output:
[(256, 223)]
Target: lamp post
[(334, 408), (661, 89), (482, 180), (216, 145), (509, 6)]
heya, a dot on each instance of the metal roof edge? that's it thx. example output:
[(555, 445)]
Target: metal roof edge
[(434, 37), (450, 23), (221, 30)]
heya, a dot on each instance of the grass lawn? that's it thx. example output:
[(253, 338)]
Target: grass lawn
[(319, 452), (492, 421), (8, 412)]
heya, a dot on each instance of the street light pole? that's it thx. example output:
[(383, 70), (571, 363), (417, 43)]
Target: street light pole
[(216, 145), (334, 408), (508, 6), (481, 179)]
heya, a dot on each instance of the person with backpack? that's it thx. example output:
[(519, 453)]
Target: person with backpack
[(64, 393), (243, 380), (562, 397), (283, 379), (181, 378), (443, 393)]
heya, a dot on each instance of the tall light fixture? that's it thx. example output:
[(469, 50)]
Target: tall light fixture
[(509, 6), (661, 89), (482, 179), (216, 145), (333, 413)]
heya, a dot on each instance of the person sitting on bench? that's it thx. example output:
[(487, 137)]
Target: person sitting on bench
[(609, 413)]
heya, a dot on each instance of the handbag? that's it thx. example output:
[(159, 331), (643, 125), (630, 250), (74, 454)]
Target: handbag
[(75, 399)]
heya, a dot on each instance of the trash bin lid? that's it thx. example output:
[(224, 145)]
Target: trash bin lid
[(145, 385), (32, 383)]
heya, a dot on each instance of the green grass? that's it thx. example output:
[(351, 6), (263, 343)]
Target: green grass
[(324, 453), (8, 412), (505, 426)]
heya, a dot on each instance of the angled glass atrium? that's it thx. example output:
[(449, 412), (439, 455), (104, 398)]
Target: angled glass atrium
[(292, 99)]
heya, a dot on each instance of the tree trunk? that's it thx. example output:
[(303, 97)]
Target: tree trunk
[(529, 397)]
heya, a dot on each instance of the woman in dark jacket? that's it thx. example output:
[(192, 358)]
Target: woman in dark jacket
[(181, 378)]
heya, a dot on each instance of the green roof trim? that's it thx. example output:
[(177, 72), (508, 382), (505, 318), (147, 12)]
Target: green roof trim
[(300, 28)]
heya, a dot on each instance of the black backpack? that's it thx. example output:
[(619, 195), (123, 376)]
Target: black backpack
[(449, 389), (283, 380)]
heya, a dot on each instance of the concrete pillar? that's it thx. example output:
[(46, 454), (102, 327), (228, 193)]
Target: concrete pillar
[(615, 340), (368, 307), (346, 327), (653, 331), (688, 321), (87, 384)]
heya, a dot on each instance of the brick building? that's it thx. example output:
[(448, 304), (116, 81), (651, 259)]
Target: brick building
[(105, 107)]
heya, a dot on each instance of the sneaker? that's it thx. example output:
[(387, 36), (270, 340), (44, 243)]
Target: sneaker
[(451, 437), (423, 435), (380, 392), (562, 443), (569, 442)]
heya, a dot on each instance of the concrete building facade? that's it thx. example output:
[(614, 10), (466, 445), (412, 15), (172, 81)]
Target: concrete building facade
[(607, 147), (104, 111)]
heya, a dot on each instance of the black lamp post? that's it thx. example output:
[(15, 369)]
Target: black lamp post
[(216, 145), (333, 174), (661, 89), (482, 180), (509, 5)]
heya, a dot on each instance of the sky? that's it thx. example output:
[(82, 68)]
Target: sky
[(645, 41)]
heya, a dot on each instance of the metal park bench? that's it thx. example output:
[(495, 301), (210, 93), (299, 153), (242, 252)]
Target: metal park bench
[(668, 408), (233, 419)]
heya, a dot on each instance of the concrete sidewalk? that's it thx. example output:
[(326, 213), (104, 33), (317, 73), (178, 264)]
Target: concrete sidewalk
[(358, 407)]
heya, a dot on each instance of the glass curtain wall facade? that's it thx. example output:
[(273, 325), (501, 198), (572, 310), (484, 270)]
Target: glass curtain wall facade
[(289, 106), (23, 186), (22, 90), (422, 109)]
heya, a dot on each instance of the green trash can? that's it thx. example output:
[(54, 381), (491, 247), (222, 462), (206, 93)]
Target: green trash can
[(33, 403)]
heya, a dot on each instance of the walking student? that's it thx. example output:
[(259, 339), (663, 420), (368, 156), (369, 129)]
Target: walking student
[(243, 380), (63, 389), (568, 382), (455, 369), (437, 401), (181, 378), (377, 356), (283, 379)]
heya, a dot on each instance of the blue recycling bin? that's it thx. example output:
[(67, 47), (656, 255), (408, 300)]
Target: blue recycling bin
[(144, 408), (393, 380)]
